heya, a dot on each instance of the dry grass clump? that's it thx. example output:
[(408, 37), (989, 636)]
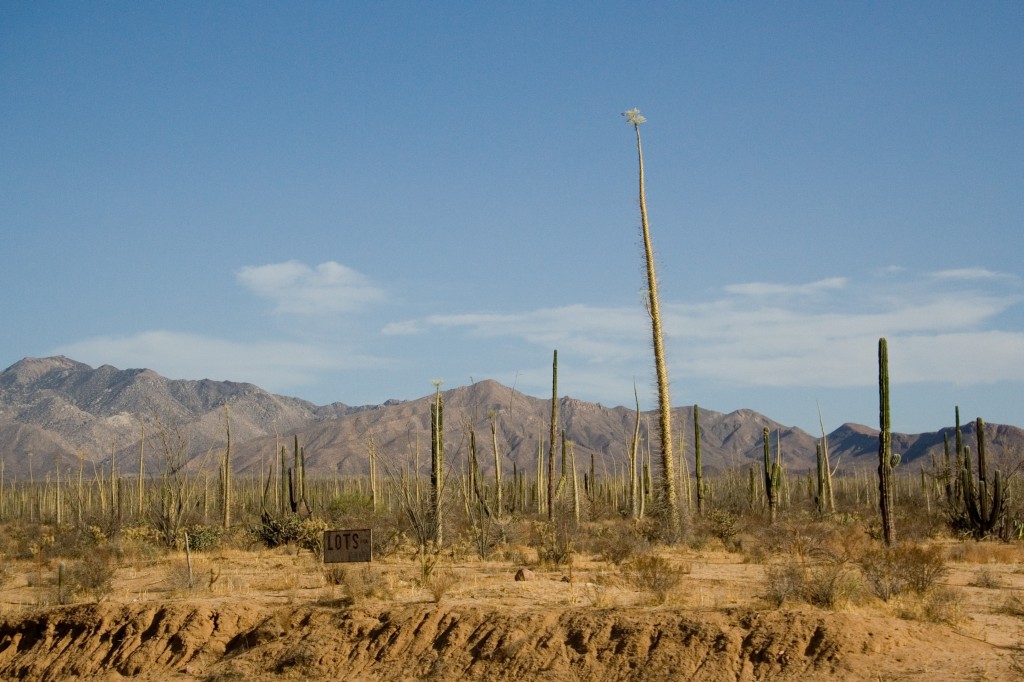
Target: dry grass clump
[(974, 552), (988, 579), (827, 585), (617, 543), (200, 575), (783, 581), (1013, 606), (944, 605), (439, 583), (360, 583), (654, 576), (602, 590)]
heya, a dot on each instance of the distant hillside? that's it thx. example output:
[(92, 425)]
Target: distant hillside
[(59, 410)]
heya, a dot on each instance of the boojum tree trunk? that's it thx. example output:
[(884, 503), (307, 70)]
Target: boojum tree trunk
[(669, 506)]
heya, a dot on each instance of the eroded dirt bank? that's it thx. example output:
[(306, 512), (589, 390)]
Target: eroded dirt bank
[(178, 640)]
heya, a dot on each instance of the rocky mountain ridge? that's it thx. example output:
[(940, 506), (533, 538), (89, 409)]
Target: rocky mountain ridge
[(56, 411)]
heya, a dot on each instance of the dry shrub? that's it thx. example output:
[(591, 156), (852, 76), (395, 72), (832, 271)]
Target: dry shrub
[(811, 562), (6, 571), (600, 591), (138, 545), (181, 578), (517, 555), (943, 605), (617, 543), (917, 526), (92, 575), (988, 579), (653, 575), (891, 571), (783, 581), (554, 542), (438, 583), (364, 582), (810, 542), (1013, 606), (304, 533), (831, 585), (825, 584), (973, 552)]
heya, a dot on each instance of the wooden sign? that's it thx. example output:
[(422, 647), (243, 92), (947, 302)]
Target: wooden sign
[(342, 546)]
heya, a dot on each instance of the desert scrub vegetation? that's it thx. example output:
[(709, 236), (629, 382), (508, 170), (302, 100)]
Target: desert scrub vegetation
[(448, 512)]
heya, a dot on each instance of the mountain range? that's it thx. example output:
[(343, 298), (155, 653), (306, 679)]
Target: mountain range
[(58, 412)]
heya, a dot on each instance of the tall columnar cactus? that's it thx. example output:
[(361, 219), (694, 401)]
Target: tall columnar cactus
[(819, 498), (492, 416), (826, 497), (983, 508), (885, 457), (634, 457), (296, 477), (669, 503), (698, 469), (554, 436), (437, 464), (772, 477), (948, 474), (226, 501)]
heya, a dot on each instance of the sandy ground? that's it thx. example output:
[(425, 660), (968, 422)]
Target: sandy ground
[(274, 615)]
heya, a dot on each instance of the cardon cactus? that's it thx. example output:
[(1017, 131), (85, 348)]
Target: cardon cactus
[(885, 456), (984, 506), (772, 477)]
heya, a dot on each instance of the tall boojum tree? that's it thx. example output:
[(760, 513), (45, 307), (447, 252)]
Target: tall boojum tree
[(669, 507)]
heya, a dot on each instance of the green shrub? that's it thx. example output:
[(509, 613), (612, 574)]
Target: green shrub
[(274, 532), (724, 526), (311, 535), (204, 538)]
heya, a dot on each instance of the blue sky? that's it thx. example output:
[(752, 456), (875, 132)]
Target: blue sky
[(344, 201)]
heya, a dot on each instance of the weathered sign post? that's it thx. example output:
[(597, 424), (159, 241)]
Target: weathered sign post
[(342, 546)]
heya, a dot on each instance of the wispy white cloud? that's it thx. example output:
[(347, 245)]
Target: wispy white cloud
[(776, 289), (963, 274), (738, 339), (296, 288), (967, 335), (597, 334), (274, 365)]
